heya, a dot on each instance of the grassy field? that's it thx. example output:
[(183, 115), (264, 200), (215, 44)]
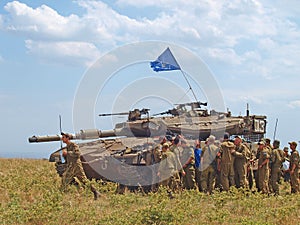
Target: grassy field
[(29, 194)]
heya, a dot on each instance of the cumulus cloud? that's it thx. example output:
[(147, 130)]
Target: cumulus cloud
[(68, 52), (42, 22), (248, 35)]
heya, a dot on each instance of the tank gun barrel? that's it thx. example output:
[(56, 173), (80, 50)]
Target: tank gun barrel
[(161, 113), (44, 138), (82, 135), (114, 114)]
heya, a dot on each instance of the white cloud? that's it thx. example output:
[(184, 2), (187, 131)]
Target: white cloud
[(228, 55), (42, 22), (248, 35), (68, 52), (294, 104)]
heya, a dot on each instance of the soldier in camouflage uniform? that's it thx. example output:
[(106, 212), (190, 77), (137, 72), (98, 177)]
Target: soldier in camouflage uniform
[(167, 169), (153, 156), (209, 165), (263, 167), (74, 170), (285, 165), (276, 159), (242, 156), (188, 165), (226, 163), (294, 168), (177, 150)]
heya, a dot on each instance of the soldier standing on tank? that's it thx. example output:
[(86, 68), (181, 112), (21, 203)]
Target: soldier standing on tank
[(226, 163), (277, 159), (294, 168), (242, 156), (74, 170), (188, 165), (263, 167), (209, 165)]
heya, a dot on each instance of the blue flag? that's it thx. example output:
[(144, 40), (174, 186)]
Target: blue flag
[(165, 62)]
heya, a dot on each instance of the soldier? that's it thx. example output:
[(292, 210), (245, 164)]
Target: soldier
[(188, 163), (156, 158), (242, 156), (253, 170), (286, 165), (177, 150), (167, 170), (294, 168), (218, 172), (197, 155), (226, 163), (209, 165), (263, 167), (74, 170), (268, 145), (277, 158)]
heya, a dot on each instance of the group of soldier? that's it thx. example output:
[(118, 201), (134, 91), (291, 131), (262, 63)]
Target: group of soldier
[(220, 164), (215, 164)]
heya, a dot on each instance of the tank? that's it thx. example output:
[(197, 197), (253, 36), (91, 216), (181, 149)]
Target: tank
[(123, 153)]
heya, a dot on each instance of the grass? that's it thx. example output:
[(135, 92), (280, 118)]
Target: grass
[(29, 194)]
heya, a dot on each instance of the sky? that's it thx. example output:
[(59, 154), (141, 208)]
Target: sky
[(47, 48)]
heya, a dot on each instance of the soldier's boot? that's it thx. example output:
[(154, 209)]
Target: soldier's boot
[(95, 192)]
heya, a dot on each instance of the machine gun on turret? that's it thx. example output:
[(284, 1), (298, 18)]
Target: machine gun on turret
[(181, 108), (133, 115), (193, 105)]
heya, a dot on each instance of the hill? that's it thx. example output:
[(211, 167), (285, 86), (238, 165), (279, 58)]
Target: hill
[(29, 194)]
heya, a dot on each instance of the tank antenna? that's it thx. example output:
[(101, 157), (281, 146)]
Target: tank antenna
[(247, 111), (275, 129), (60, 130)]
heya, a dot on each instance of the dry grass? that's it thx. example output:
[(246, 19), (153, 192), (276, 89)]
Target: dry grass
[(29, 194)]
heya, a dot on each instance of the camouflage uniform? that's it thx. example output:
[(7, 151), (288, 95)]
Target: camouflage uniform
[(189, 178), (74, 170), (208, 165), (167, 170), (177, 154), (242, 156), (276, 159), (156, 158), (156, 154), (294, 162), (263, 170), (226, 165)]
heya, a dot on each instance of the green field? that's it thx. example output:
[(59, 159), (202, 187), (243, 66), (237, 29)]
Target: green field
[(29, 194)]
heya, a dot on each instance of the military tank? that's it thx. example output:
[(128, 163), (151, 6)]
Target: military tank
[(121, 154)]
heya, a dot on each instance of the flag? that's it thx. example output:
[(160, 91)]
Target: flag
[(165, 62)]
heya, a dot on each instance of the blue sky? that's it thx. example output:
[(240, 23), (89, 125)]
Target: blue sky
[(251, 47)]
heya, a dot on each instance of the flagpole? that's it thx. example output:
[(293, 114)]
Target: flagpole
[(168, 59), (184, 77), (189, 85)]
